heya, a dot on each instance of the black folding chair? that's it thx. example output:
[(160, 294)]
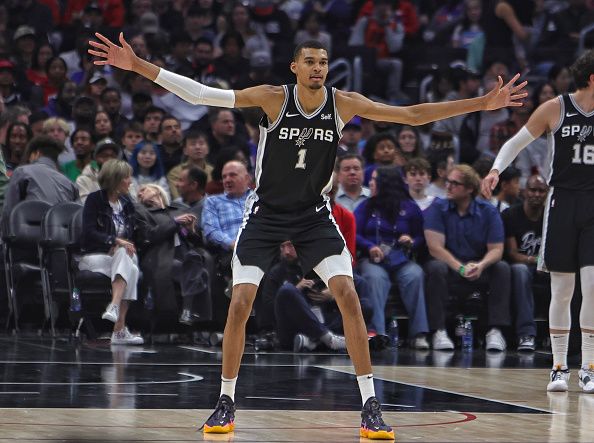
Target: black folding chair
[(54, 256), (21, 236)]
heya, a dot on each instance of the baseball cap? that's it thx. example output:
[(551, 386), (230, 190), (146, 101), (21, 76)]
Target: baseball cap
[(23, 31), (107, 143), (260, 59), (97, 76)]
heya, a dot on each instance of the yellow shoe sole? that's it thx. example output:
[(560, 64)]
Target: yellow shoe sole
[(379, 435), (219, 429)]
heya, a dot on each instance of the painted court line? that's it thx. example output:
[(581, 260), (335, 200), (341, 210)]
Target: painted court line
[(478, 397), (279, 398)]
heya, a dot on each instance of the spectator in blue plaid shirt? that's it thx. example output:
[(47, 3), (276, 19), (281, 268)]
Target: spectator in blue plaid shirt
[(223, 213)]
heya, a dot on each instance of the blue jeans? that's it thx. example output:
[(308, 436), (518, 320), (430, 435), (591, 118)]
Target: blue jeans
[(410, 280), (523, 298)]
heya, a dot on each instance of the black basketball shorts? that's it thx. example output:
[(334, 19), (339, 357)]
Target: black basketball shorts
[(312, 231), (568, 231)]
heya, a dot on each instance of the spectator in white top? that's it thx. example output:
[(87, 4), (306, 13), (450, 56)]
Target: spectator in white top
[(417, 173)]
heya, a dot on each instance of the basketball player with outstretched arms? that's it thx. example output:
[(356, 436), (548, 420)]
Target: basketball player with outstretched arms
[(299, 134)]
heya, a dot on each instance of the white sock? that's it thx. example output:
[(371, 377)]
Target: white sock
[(366, 387), (559, 344), (228, 387), (587, 349)]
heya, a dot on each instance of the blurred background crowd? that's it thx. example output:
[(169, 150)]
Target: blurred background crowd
[(173, 177)]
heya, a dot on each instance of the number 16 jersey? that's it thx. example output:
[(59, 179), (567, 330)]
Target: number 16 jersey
[(296, 154), (571, 145)]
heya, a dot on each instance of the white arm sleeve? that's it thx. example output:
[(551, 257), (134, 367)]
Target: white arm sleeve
[(195, 92), (512, 148)]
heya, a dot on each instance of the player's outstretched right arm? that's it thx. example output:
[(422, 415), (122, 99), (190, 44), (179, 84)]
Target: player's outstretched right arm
[(542, 119), (269, 98)]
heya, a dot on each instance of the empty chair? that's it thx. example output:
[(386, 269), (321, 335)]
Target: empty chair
[(21, 236), (54, 255)]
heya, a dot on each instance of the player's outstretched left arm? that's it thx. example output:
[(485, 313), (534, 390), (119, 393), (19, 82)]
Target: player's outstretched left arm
[(510, 94), (269, 98)]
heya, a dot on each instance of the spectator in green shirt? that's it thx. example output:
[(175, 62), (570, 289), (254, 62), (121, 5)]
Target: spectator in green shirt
[(83, 145)]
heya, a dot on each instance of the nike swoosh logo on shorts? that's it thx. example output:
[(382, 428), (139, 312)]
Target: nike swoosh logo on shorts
[(570, 114), (291, 115), (320, 208)]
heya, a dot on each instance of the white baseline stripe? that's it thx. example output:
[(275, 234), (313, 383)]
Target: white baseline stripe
[(135, 394), (280, 398), (191, 379), (20, 392), (194, 348)]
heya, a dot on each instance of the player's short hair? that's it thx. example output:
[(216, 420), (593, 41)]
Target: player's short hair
[(312, 44), (582, 69), (470, 178), (418, 164)]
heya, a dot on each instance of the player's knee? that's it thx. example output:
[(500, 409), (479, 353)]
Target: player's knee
[(348, 300)]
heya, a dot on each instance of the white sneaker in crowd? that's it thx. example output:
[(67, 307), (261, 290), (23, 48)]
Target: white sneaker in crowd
[(112, 312), (125, 337), (495, 340), (441, 341), (420, 342), (302, 342)]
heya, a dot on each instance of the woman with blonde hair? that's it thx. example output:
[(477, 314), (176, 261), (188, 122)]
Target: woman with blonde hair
[(108, 228)]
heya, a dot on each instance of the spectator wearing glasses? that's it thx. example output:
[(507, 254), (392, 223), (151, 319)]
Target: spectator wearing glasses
[(465, 238)]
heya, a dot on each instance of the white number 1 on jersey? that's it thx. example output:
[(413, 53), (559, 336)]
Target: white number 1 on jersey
[(301, 159)]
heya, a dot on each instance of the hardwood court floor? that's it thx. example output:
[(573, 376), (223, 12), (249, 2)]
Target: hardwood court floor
[(57, 391)]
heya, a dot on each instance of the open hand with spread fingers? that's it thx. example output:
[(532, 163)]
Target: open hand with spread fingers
[(111, 54), (489, 183), (509, 95)]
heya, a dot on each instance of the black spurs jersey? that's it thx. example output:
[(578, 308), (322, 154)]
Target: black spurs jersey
[(571, 145), (296, 154)]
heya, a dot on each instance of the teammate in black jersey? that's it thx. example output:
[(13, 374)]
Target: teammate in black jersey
[(568, 227), (298, 139)]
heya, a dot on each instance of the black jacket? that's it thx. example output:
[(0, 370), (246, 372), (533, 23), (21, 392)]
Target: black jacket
[(99, 232)]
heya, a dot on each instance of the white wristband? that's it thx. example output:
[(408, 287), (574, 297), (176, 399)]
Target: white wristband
[(195, 92), (512, 148)]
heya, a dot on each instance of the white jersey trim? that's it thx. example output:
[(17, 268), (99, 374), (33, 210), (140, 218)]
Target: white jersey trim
[(580, 110), (300, 109), (541, 265), (337, 119), (272, 126)]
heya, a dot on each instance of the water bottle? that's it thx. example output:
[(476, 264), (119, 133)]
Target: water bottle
[(149, 302), (459, 331), (393, 332), (75, 303), (468, 336)]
